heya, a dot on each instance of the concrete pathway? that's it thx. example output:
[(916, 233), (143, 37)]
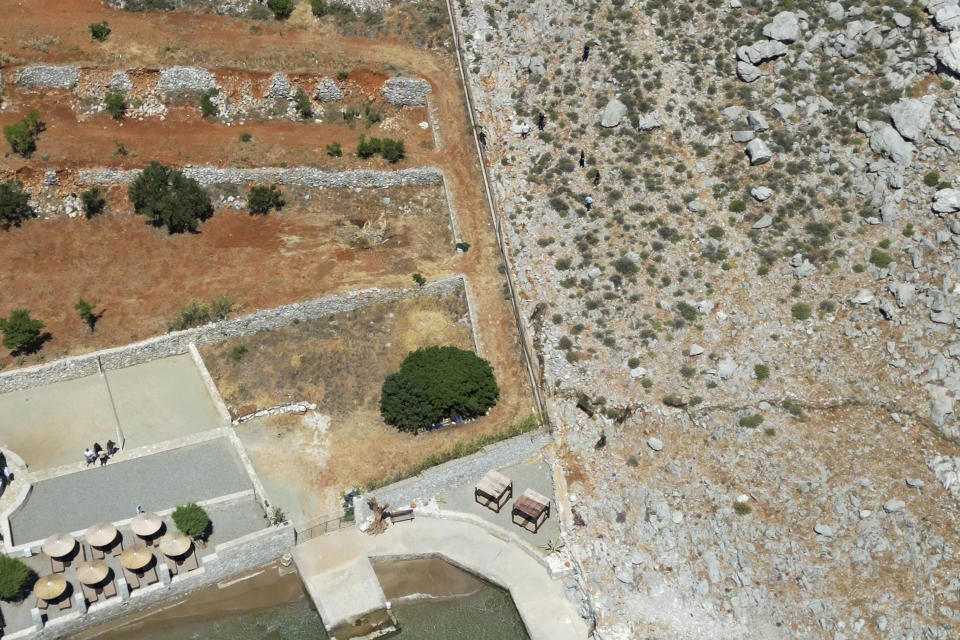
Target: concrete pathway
[(541, 602), (160, 481)]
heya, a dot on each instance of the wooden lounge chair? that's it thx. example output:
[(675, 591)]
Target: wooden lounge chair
[(171, 564), (493, 491), (190, 562), (97, 554), (109, 589), (42, 604), (150, 575), (89, 593), (66, 603), (57, 566), (117, 548), (132, 580)]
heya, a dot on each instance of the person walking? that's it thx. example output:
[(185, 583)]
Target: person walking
[(139, 509), (541, 121), (89, 455), (589, 201), (581, 159), (111, 447), (596, 178)]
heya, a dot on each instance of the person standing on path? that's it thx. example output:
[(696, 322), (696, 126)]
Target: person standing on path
[(581, 158), (589, 201), (89, 455), (541, 121)]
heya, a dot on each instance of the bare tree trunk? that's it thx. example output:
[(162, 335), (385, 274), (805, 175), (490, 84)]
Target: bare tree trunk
[(379, 513)]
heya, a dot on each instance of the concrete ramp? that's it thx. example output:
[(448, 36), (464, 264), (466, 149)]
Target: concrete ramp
[(336, 570), (349, 599)]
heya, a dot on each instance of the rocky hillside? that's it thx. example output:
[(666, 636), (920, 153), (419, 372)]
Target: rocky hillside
[(735, 231)]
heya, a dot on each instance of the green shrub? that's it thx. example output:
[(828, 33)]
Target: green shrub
[(168, 198), (435, 384), (261, 200), (738, 205), (751, 421), (197, 313), (116, 104), (633, 363), (93, 202), (245, 137), (716, 232), (99, 30), (237, 352), (302, 103), (22, 135), (674, 401), (742, 508), (21, 333), (880, 259), (14, 204), (14, 578), (762, 371), (392, 150), (192, 520), (207, 107), (800, 311), (687, 371), (281, 8), (334, 150), (931, 178)]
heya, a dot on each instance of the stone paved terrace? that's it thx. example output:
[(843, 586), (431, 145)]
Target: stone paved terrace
[(159, 481)]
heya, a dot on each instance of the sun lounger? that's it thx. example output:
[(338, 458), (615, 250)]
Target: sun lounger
[(89, 593), (66, 603), (118, 547), (109, 589), (97, 554), (132, 580), (42, 604), (190, 562), (150, 575), (171, 564), (57, 566)]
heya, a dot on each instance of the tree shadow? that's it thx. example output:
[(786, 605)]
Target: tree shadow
[(33, 346)]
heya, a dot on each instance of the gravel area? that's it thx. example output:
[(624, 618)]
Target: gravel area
[(160, 481)]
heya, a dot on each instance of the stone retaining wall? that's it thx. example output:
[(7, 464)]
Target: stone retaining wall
[(301, 176), (227, 560), (178, 342)]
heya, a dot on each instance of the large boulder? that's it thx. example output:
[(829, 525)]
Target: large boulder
[(748, 72), (949, 56), (886, 141), (911, 116), (758, 151), (785, 27), (613, 113), (761, 51), (648, 121), (947, 17), (946, 201)]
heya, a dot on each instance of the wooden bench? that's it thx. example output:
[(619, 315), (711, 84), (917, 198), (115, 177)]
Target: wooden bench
[(530, 510), (399, 515), (493, 491)]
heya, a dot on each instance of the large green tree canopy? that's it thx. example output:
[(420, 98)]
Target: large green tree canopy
[(436, 383), (169, 198)]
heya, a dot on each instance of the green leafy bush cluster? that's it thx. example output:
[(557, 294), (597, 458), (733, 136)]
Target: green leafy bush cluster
[(880, 259), (261, 200), (334, 150), (197, 313), (321, 8), (207, 107), (168, 198), (22, 135), (93, 202), (116, 104), (800, 311), (751, 421), (390, 149), (435, 384), (14, 204), (281, 8), (302, 103), (14, 578), (192, 520), (99, 31), (20, 332)]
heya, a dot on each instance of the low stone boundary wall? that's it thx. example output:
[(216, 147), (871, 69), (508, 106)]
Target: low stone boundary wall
[(227, 560), (178, 342), (300, 176)]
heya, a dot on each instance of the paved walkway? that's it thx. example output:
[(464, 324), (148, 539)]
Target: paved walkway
[(546, 612), (159, 481)]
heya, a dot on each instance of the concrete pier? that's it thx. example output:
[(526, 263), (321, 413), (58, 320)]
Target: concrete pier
[(338, 576)]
